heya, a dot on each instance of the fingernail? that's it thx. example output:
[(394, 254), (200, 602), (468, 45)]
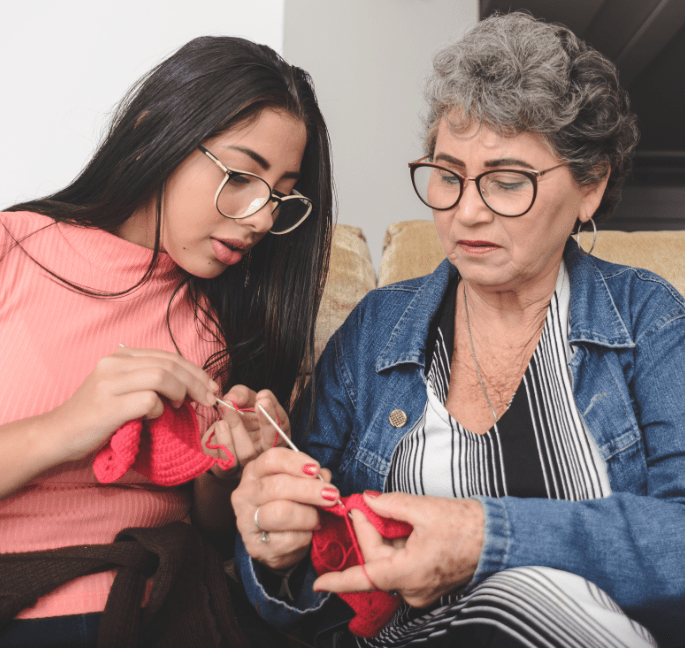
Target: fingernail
[(372, 494), (310, 469), (213, 386), (330, 494)]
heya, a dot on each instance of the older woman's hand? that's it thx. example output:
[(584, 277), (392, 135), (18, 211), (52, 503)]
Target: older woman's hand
[(440, 555), (245, 434), (278, 494)]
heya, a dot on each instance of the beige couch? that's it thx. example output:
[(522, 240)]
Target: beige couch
[(412, 249)]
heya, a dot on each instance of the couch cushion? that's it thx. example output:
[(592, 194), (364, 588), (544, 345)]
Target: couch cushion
[(661, 252), (351, 276), (412, 249)]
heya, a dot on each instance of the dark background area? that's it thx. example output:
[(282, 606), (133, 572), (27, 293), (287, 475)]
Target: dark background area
[(646, 41)]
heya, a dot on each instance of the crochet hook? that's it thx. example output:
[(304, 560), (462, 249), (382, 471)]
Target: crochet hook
[(277, 427), (287, 440), (218, 400)]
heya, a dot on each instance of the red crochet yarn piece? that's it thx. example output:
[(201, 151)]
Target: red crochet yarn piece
[(335, 547), (166, 450)]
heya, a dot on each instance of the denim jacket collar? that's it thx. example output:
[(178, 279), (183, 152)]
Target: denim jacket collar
[(407, 342), (595, 318), (594, 315)]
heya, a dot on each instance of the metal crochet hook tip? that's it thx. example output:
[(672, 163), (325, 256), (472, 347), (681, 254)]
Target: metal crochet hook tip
[(290, 443), (218, 400), (277, 427)]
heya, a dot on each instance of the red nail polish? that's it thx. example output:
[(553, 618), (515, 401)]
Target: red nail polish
[(330, 494), (372, 494), (310, 469)]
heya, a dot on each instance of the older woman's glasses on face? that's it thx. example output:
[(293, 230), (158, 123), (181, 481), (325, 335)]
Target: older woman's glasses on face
[(506, 192), (242, 194)]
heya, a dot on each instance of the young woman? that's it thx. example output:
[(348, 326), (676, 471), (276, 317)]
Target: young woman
[(185, 262)]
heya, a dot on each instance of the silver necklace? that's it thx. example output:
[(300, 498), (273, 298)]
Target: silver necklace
[(475, 360)]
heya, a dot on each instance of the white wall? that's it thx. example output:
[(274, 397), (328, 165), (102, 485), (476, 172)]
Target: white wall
[(64, 66), (369, 59)]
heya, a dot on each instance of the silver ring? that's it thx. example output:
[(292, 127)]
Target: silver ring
[(265, 536), (256, 519), (394, 593)]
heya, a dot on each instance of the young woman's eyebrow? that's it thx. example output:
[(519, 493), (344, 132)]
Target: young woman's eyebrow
[(294, 175)]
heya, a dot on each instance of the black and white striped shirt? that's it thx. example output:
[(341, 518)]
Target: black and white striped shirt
[(538, 448)]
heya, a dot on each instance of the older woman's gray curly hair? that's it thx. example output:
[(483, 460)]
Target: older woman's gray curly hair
[(514, 74)]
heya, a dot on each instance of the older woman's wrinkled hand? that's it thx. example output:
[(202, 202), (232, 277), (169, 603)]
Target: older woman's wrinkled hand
[(246, 434), (439, 556), (275, 506)]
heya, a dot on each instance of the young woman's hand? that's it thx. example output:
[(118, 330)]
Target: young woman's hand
[(124, 386), (246, 434), (275, 506), (439, 556)]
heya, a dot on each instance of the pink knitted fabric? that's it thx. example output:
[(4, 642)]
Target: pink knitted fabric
[(335, 548), (166, 450)]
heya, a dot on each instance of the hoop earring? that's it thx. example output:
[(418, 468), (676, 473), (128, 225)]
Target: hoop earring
[(594, 238), (247, 260)]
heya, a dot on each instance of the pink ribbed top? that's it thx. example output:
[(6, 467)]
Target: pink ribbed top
[(51, 338)]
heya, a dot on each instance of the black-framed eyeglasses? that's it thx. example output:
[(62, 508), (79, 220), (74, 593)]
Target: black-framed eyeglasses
[(242, 194), (507, 192)]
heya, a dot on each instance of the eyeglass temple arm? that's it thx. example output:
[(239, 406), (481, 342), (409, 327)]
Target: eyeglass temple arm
[(537, 174), (213, 158), (423, 159)]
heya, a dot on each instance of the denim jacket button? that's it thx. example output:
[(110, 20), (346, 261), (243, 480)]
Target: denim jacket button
[(397, 418)]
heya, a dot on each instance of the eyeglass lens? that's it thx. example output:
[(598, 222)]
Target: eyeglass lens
[(289, 213), (509, 193), (243, 195)]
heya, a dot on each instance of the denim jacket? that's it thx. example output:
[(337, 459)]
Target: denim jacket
[(627, 336)]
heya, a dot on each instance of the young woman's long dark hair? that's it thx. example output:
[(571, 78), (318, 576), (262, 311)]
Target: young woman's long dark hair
[(265, 324)]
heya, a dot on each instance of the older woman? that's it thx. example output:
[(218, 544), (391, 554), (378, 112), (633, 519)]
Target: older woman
[(523, 407)]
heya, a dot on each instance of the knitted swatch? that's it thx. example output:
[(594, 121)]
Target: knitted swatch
[(335, 547), (166, 450)]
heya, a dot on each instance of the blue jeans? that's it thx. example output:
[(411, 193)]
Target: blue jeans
[(81, 630), (74, 631)]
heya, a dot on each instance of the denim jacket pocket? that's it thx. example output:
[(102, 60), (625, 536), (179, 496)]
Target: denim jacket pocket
[(405, 397), (605, 405)]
